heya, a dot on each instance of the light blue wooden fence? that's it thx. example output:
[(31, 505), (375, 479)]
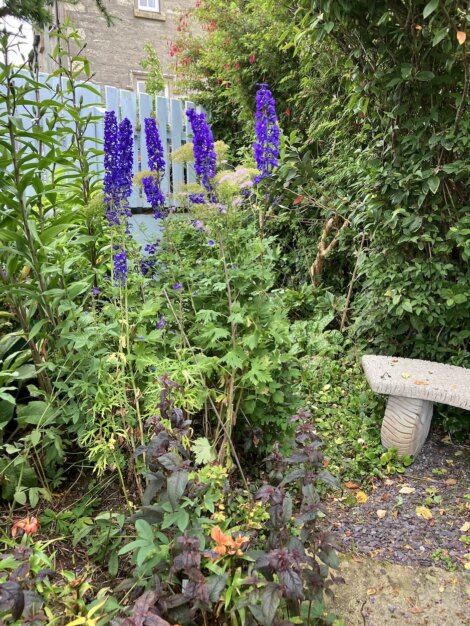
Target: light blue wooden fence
[(172, 123)]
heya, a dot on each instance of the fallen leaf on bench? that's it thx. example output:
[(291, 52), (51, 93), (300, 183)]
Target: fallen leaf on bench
[(451, 481), (420, 382), (407, 490), (361, 497), (405, 375), (381, 513), (465, 527), (423, 511)]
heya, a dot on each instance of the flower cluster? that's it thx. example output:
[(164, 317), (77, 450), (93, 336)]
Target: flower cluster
[(147, 264), (27, 526), (204, 153), (156, 162), (266, 148), (225, 544), (118, 162), (120, 267)]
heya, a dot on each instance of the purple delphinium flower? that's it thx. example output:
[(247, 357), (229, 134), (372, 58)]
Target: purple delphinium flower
[(204, 153), (96, 291), (266, 148), (118, 165), (126, 161), (120, 267), (211, 242), (177, 286), (147, 264), (161, 322), (196, 198), (222, 209), (156, 162), (198, 225)]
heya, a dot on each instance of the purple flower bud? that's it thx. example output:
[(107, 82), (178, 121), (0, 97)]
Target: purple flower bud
[(211, 242), (96, 291), (161, 322), (177, 286)]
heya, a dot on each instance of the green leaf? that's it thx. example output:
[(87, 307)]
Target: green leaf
[(20, 497), (433, 183), (144, 530), (203, 451), (430, 8), (234, 358), (439, 36), (35, 437), (425, 76)]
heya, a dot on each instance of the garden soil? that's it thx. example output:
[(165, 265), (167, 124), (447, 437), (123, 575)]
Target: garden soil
[(378, 593)]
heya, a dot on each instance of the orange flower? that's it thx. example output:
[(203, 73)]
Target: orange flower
[(225, 543), (28, 525)]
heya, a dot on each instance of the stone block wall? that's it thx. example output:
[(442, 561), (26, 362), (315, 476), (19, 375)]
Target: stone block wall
[(115, 52)]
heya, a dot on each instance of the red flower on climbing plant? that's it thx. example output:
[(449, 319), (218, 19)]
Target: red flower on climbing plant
[(252, 58)]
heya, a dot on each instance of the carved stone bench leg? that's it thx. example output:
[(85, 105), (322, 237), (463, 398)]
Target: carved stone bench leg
[(406, 424)]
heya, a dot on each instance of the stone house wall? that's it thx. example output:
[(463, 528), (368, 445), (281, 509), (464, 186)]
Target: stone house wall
[(115, 52)]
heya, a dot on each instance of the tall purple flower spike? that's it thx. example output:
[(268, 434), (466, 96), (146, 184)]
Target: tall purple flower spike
[(120, 267), (204, 153), (118, 162), (266, 148), (156, 162)]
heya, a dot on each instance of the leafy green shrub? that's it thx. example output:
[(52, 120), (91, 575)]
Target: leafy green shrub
[(204, 550), (226, 332), (347, 415)]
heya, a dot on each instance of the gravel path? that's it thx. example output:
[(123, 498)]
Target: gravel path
[(387, 525)]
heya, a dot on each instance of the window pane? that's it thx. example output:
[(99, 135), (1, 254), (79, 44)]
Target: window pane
[(142, 4), (151, 4)]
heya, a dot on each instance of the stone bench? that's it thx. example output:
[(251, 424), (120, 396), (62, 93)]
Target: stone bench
[(413, 385)]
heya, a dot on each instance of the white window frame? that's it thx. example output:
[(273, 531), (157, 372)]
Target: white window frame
[(140, 85), (142, 5)]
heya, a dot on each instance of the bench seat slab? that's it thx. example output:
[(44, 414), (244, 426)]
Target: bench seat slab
[(406, 424)]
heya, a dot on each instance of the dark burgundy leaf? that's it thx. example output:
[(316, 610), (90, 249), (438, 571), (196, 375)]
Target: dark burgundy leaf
[(269, 603)]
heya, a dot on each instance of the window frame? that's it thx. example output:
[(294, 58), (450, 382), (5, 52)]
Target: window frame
[(157, 9)]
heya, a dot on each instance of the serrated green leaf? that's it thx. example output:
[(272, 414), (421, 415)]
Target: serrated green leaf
[(203, 451)]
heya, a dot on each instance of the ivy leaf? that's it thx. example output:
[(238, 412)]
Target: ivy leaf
[(203, 451), (430, 8)]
